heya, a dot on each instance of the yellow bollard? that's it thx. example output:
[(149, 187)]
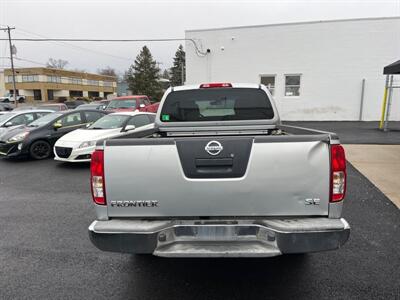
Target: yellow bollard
[(383, 108)]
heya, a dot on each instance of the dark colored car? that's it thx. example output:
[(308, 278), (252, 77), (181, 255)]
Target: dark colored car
[(54, 106), (74, 103), (38, 138), (5, 107)]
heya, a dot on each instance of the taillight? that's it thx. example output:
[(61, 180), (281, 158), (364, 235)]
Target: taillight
[(215, 85), (97, 177), (338, 173)]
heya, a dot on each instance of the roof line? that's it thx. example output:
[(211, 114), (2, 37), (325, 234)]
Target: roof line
[(294, 23)]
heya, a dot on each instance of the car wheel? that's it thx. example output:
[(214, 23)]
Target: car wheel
[(6, 100), (40, 150), (21, 100)]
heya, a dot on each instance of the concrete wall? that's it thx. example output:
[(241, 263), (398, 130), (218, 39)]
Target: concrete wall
[(332, 57)]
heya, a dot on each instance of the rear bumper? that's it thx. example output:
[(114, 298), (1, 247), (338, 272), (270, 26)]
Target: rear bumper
[(223, 238)]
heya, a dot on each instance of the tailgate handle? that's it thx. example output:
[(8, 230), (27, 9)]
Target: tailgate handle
[(214, 166), (214, 162)]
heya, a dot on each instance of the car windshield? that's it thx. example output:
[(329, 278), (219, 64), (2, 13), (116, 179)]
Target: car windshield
[(50, 107), (109, 122), (45, 120), (6, 117), (217, 104), (128, 103)]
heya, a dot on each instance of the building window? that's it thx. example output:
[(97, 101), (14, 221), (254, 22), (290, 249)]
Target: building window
[(292, 85), (92, 82), (9, 78), (74, 94), (75, 80), (107, 83), (52, 78), (269, 82), (93, 94), (30, 78)]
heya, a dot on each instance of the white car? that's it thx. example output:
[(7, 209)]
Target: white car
[(7, 98), (11, 119), (78, 145)]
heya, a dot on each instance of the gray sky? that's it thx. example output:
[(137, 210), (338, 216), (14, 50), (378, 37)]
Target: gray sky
[(151, 19)]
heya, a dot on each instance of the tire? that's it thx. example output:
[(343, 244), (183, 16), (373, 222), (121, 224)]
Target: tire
[(40, 150), (6, 100), (21, 100)]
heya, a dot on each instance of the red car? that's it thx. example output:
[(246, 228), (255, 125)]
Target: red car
[(132, 103)]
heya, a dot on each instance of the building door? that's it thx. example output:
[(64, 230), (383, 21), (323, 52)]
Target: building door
[(37, 94), (50, 94)]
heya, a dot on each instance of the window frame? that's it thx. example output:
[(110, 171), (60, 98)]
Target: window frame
[(53, 79), (92, 82), (30, 78), (269, 75), (75, 80), (22, 116), (87, 121), (132, 119), (284, 85), (68, 115)]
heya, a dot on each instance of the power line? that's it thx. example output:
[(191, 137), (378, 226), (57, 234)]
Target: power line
[(65, 44), (31, 61), (198, 51), (25, 59)]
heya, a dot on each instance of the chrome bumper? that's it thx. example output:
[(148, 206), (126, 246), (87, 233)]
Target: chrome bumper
[(220, 238)]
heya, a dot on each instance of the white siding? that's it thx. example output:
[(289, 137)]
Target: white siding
[(332, 57)]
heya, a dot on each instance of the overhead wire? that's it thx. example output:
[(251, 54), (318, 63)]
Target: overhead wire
[(65, 44), (197, 49)]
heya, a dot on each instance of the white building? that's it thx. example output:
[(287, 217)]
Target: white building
[(314, 69)]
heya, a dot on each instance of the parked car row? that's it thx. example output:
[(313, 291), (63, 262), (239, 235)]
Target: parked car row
[(125, 103), (72, 133), (71, 130)]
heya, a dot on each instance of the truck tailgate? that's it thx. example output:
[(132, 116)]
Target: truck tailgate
[(251, 176)]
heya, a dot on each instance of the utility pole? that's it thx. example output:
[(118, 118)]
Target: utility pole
[(8, 29)]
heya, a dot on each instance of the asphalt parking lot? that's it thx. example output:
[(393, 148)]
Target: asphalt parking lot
[(45, 251)]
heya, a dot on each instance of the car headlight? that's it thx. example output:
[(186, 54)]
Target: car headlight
[(18, 137), (87, 144)]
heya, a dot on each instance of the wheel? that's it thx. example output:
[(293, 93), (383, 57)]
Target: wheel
[(6, 100), (40, 150), (21, 100)]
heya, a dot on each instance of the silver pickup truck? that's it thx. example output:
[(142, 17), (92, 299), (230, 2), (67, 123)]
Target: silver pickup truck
[(219, 176)]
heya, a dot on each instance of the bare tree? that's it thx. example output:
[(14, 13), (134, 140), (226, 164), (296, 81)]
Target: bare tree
[(107, 71), (57, 63)]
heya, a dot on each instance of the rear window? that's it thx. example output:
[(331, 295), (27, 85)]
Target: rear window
[(217, 104)]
